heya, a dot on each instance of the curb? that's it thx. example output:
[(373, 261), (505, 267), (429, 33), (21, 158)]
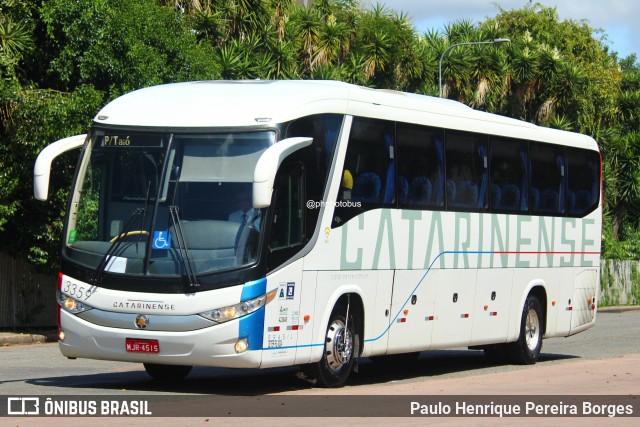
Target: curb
[(9, 338), (619, 308)]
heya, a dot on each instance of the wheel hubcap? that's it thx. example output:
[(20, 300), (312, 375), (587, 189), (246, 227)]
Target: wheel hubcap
[(339, 345), (532, 330)]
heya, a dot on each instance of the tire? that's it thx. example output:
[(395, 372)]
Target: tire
[(340, 348), (526, 350), (167, 373)]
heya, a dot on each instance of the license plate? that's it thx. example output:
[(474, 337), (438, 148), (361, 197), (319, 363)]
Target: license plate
[(133, 345)]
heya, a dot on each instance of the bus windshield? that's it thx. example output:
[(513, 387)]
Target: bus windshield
[(166, 203)]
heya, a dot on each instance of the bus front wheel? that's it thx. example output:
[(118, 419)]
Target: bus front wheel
[(526, 349), (340, 350), (167, 373)]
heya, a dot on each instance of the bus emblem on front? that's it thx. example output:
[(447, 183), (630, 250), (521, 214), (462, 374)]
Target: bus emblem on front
[(142, 321)]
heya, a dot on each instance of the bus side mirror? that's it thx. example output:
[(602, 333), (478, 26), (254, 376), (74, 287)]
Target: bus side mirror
[(267, 166), (42, 168)]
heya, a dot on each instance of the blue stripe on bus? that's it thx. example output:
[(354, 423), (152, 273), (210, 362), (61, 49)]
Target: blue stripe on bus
[(420, 282), (392, 321), (254, 289), (287, 347), (252, 325), (403, 305)]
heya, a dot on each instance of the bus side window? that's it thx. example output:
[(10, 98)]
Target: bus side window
[(467, 171), (324, 129), (420, 167), (547, 179), (583, 182), (509, 184), (369, 167)]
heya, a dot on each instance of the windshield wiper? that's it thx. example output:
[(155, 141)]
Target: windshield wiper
[(117, 240), (115, 244), (192, 281)]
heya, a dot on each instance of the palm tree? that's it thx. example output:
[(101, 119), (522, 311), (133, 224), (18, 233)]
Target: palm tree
[(459, 31), (333, 42), (210, 25), (471, 72), (569, 81), (427, 47), (456, 69), (329, 72), (281, 10), (622, 170), (377, 52), (525, 71), (15, 40), (229, 60), (561, 122), (353, 69), (407, 58), (306, 23), (284, 63), (376, 41)]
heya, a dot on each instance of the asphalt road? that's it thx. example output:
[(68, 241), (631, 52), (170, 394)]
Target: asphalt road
[(603, 360), (41, 369)]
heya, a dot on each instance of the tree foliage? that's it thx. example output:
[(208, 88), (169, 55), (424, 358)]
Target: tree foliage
[(37, 114), (59, 64), (118, 45), (61, 60)]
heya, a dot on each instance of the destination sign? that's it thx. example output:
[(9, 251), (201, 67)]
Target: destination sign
[(132, 140)]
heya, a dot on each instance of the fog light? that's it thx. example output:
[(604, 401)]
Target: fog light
[(61, 335), (241, 346)]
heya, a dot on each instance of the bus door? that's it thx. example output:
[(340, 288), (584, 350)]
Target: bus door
[(283, 322)]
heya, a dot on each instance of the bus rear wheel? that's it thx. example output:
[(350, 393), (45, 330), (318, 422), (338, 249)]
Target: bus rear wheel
[(167, 373), (526, 350), (340, 351)]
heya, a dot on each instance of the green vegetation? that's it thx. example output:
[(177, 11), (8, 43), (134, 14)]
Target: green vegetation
[(634, 296), (61, 60), (619, 283)]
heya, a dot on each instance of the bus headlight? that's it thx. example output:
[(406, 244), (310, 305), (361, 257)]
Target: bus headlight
[(224, 314), (70, 304)]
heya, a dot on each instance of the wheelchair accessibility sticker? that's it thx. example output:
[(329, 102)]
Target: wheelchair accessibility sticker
[(287, 290), (161, 240)]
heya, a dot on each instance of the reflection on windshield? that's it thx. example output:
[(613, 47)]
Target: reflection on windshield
[(205, 180)]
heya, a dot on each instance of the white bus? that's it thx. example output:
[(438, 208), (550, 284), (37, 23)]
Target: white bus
[(258, 224)]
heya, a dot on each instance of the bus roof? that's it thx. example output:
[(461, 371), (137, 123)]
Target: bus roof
[(229, 103)]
